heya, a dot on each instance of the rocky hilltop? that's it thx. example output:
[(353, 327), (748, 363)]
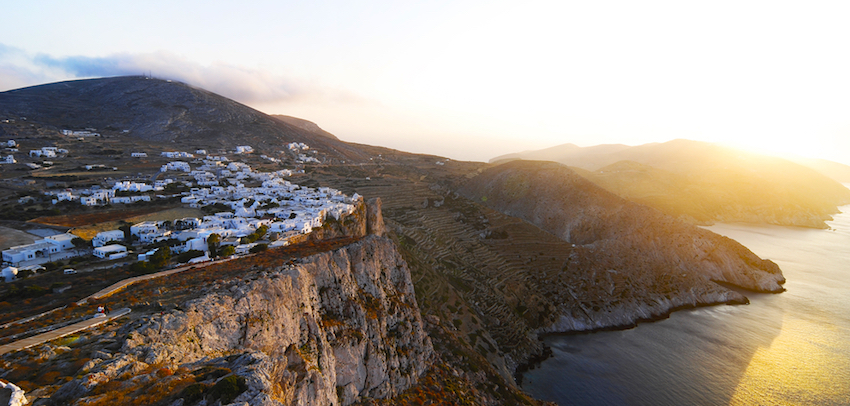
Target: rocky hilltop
[(161, 111), (703, 183)]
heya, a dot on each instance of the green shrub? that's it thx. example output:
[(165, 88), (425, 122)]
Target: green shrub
[(228, 388), (193, 392)]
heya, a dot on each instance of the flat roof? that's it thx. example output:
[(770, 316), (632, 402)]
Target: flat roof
[(37, 246), (112, 248)]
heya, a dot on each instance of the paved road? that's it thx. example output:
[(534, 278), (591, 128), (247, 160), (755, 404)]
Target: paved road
[(60, 332)]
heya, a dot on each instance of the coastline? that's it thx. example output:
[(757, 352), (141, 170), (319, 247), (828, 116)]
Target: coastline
[(535, 360)]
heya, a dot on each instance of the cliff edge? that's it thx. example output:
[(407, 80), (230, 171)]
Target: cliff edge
[(328, 329)]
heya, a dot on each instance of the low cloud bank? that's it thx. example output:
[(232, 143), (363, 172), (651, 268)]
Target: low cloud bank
[(247, 85)]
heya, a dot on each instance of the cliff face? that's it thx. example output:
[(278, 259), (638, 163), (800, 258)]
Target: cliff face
[(328, 329)]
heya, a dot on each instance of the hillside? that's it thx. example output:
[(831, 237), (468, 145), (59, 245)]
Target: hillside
[(304, 125), (501, 277), (703, 183), (161, 111), (836, 171)]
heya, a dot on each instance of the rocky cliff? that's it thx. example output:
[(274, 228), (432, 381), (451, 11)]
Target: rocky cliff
[(328, 329)]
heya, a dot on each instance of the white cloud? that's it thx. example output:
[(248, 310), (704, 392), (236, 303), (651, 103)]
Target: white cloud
[(247, 85)]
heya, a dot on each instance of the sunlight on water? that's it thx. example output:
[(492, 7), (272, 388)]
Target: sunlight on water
[(799, 367), (791, 348)]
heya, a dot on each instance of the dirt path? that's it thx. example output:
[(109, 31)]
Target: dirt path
[(120, 285)]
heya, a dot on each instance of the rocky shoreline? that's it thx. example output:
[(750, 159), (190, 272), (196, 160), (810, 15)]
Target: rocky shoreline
[(554, 330)]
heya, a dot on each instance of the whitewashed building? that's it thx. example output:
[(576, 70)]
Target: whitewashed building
[(105, 237), (113, 251)]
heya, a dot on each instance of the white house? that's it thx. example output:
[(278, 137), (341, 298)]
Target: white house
[(128, 186), (104, 237), (176, 166), (139, 154), (95, 199), (149, 231), (64, 241), (45, 153), (66, 195), (176, 154), (10, 159), (9, 273), (113, 251), (40, 249), (244, 149), (21, 253)]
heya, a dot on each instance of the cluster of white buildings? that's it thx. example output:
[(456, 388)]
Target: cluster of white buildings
[(97, 197), (300, 149), (282, 207), (176, 166), (297, 146), (47, 152), (244, 149), (176, 154)]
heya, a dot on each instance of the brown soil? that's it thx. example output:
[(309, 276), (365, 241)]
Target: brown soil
[(84, 219)]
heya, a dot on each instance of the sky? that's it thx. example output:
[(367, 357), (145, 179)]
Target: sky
[(476, 79)]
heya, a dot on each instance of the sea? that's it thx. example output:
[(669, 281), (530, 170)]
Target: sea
[(791, 348)]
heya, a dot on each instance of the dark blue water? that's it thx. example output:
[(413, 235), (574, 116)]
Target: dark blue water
[(787, 349)]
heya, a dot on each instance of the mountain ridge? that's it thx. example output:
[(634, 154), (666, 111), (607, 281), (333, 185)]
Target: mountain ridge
[(162, 111), (704, 182)]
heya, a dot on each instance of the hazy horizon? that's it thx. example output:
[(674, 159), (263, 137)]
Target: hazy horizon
[(473, 80)]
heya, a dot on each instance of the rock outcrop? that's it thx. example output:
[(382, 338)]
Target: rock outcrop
[(329, 329)]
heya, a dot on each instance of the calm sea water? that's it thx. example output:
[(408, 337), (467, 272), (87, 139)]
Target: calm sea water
[(787, 349)]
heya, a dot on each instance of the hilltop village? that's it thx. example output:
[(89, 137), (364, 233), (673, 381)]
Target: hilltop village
[(244, 206)]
